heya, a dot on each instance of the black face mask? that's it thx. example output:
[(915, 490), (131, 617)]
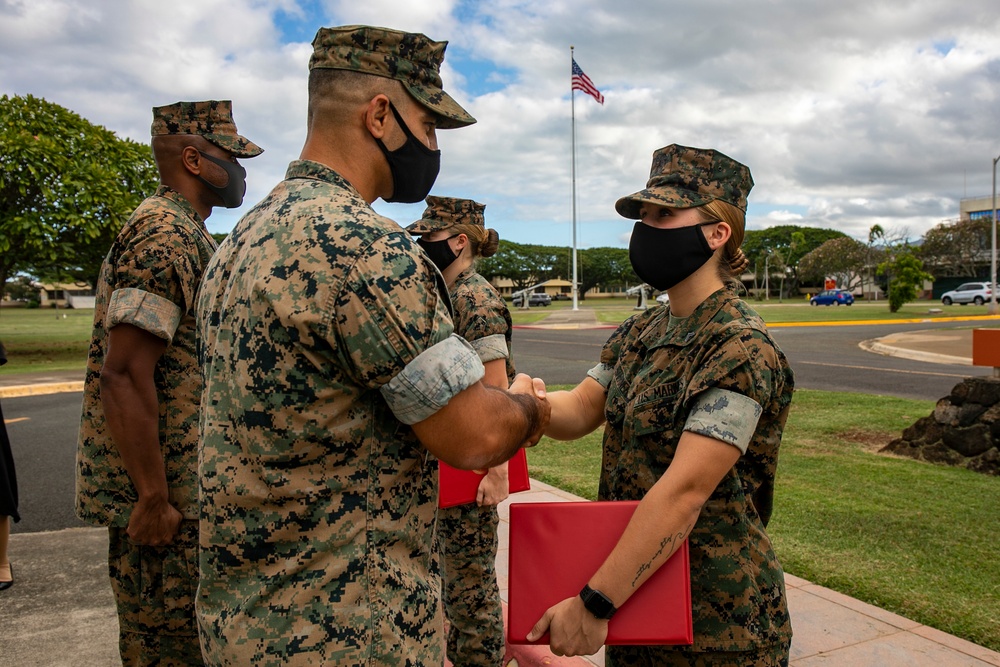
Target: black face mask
[(414, 167), (232, 192), (439, 251), (664, 257)]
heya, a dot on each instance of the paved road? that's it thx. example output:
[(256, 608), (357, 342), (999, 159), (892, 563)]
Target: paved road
[(823, 357), (44, 428)]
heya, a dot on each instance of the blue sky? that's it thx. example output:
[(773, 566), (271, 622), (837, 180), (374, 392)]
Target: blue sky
[(849, 114)]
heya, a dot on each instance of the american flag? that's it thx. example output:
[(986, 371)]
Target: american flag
[(582, 82)]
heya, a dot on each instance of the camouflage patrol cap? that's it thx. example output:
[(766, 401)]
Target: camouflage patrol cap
[(684, 177), (212, 119), (411, 58), (446, 212)]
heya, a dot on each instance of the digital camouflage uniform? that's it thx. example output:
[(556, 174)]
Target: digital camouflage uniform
[(468, 533), (717, 373), (150, 280), (326, 332)]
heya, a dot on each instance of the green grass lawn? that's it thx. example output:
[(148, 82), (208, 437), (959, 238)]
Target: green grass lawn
[(774, 312), (45, 339), (917, 539)]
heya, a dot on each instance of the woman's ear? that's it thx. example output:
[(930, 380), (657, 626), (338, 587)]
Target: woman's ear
[(460, 242), (718, 234)]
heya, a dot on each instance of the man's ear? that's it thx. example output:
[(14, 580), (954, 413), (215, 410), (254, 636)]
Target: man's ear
[(191, 160), (376, 113)]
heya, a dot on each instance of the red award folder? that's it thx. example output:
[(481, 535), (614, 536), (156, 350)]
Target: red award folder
[(554, 550), (458, 487)]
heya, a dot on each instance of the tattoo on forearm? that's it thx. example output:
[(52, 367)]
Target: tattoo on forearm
[(666, 544)]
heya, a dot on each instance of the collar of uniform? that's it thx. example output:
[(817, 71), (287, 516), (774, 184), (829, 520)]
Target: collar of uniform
[(180, 200), (465, 275), (310, 169), (685, 330)]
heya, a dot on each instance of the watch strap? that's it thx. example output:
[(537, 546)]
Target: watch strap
[(597, 603)]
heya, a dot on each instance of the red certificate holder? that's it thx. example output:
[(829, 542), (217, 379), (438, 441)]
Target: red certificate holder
[(554, 550), (459, 487)]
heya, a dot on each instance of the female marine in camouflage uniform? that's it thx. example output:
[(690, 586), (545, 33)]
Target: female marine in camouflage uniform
[(454, 235), (695, 396)]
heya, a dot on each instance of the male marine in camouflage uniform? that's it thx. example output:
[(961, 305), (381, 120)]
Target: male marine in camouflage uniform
[(137, 457), (468, 533), (332, 376)]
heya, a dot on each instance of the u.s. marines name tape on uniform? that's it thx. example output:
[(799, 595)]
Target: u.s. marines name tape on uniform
[(664, 375)]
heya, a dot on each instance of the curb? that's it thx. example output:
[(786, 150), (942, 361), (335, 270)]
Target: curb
[(873, 345), (40, 389)]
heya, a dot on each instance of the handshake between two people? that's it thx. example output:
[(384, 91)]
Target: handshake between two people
[(483, 426)]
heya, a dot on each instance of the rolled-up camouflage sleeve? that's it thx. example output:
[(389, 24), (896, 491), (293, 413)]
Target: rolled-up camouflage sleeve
[(395, 334), (155, 280), (726, 416), (490, 348), (726, 394), (432, 379), (146, 311), (604, 370)]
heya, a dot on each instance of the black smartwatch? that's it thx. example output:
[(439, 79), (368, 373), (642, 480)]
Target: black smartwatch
[(597, 603)]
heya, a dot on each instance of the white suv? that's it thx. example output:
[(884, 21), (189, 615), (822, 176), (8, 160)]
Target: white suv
[(977, 293)]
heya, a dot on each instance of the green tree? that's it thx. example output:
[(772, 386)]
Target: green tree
[(523, 264), (959, 248), (906, 276), (780, 248), (66, 187), (22, 288), (608, 267), (844, 259)]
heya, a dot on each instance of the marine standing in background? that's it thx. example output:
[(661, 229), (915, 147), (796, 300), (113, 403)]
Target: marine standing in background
[(453, 233), (333, 380), (695, 396), (137, 456)]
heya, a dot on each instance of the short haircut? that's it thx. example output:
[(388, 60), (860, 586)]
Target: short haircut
[(333, 92)]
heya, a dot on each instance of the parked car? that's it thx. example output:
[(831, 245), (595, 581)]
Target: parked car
[(534, 299), (561, 296), (832, 297), (977, 293)]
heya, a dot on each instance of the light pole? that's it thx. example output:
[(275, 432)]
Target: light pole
[(993, 247)]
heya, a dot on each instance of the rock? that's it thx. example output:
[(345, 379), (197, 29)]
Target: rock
[(946, 413), (963, 430), (968, 442), (988, 462)]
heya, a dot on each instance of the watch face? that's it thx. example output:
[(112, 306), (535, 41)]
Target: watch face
[(597, 603)]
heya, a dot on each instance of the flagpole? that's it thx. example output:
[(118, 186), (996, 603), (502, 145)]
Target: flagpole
[(572, 106)]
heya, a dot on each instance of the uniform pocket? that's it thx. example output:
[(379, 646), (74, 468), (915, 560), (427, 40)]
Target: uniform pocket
[(657, 409)]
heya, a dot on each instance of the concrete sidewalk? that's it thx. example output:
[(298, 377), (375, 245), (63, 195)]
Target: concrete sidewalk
[(61, 613)]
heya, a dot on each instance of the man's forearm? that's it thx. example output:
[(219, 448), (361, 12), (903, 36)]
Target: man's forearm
[(484, 426), (131, 411)]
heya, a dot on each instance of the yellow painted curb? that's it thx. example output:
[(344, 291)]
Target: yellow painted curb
[(40, 389), (920, 320)]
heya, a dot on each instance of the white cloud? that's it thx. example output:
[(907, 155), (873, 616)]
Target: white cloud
[(849, 114)]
